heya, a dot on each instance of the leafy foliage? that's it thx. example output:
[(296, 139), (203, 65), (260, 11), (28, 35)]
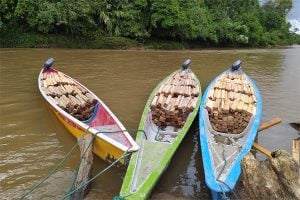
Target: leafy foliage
[(209, 22)]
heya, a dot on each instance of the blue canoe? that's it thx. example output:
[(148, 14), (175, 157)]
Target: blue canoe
[(225, 143)]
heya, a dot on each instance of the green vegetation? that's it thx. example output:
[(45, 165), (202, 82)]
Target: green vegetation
[(167, 24)]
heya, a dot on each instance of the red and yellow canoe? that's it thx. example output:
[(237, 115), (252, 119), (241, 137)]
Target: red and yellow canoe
[(81, 112)]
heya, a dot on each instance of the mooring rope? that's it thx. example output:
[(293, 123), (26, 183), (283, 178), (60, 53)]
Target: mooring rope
[(32, 189), (125, 154), (51, 172), (218, 178)]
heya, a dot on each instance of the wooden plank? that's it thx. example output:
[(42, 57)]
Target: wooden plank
[(85, 169), (262, 150), (295, 149), (269, 124)]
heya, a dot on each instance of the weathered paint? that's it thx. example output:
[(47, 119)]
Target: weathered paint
[(210, 177), (107, 146), (145, 189)]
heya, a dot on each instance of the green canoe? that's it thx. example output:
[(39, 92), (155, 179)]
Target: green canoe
[(163, 132)]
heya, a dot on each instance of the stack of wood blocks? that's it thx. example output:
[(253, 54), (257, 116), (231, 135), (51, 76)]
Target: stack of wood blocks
[(231, 103), (175, 99), (68, 95)]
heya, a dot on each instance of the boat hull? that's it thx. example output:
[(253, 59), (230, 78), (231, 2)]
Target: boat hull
[(103, 149), (111, 139), (219, 187), (158, 163)]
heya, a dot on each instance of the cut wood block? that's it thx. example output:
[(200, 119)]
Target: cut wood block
[(167, 102), (237, 96), (177, 102), (216, 104), (154, 102), (90, 97), (245, 109), (217, 93), (223, 94), (226, 106), (240, 106), (209, 105), (193, 104)]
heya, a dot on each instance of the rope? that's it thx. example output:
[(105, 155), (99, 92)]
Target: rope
[(122, 197), (218, 178), (68, 155), (52, 172), (81, 158), (101, 172)]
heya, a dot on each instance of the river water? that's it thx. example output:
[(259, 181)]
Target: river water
[(33, 141)]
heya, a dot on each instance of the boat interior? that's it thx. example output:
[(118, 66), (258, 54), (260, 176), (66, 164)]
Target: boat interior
[(170, 107), (231, 104), (81, 104)]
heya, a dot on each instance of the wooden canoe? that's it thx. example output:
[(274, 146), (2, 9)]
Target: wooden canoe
[(81, 112), (163, 134), (228, 128)]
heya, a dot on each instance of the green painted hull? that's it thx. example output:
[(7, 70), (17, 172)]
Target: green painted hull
[(153, 157)]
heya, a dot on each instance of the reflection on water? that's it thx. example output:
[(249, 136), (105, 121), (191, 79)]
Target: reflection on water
[(32, 140)]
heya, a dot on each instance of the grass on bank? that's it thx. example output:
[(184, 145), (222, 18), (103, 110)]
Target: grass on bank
[(16, 39)]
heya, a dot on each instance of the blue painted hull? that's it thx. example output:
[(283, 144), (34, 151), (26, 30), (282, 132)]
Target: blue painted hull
[(220, 187)]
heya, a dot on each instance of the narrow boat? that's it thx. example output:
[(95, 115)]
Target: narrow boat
[(230, 114), (167, 117), (81, 112)]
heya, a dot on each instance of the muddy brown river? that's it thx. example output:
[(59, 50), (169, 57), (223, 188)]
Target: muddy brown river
[(33, 141)]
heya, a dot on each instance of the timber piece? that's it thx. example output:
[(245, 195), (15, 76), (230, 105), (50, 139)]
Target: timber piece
[(233, 106), (82, 101), (240, 106), (90, 97), (61, 102), (83, 90), (45, 83), (226, 106), (154, 102), (223, 94), (253, 99), (211, 94), (216, 104), (217, 93), (218, 85), (230, 95), (177, 102), (85, 168), (73, 100), (83, 97), (269, 124), (262, 150), (295, 149), (168, 99), (274, 178), (209, 105)]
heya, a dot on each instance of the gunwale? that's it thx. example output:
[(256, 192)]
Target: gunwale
[(143, 191), (210, 177), (83, 127)]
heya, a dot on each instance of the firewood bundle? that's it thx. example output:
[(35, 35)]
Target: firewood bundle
[(175, 100), (231, 103), (69, 95)]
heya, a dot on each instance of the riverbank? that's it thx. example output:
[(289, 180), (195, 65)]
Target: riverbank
[(15, 39)]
